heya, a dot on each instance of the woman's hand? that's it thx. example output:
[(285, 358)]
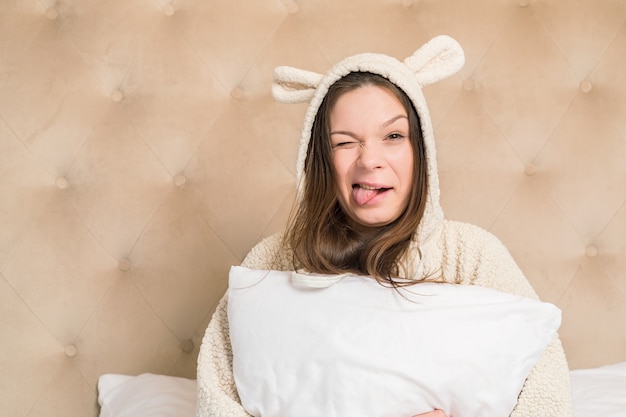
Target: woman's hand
[(435, 413)]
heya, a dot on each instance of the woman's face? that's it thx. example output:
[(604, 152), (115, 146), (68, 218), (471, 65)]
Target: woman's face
[(372, 155)]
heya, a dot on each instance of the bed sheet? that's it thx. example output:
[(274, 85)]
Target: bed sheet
[(599, 391)]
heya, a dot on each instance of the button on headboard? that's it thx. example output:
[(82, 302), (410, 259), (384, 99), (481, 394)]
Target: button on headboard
[(141, 155)]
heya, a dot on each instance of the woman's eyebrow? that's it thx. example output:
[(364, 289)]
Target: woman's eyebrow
[(394, 119), (385, 124), (342, 132)]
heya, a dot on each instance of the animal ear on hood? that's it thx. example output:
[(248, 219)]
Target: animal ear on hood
[(439, 58), (293, 85)]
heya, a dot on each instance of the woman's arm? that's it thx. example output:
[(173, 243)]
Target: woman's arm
[(217, 393), (485, 261), (547, 389)]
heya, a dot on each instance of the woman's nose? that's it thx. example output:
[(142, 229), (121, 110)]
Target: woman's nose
[(370, 156)]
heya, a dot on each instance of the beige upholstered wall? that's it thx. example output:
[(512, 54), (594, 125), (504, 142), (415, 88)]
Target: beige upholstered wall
[(141, 155)]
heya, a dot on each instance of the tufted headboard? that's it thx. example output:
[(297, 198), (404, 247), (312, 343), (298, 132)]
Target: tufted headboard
[(141, 155)]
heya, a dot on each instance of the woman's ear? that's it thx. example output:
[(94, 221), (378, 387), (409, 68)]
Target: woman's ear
[(437, 59), (294, 85)]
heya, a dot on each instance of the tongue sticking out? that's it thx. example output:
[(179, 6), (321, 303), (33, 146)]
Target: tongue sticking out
[(365, 195)]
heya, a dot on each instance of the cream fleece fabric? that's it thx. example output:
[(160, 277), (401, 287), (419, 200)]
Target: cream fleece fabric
[(457, 252)]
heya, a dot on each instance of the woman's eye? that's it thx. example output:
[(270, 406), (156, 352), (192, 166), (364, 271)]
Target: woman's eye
[(395, 136), (342, 144)]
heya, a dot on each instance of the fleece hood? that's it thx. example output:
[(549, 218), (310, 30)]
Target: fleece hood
[(439, 58)]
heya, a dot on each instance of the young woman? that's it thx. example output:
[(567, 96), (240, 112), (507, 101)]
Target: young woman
[(368, 203)]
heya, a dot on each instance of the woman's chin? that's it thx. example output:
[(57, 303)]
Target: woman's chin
[(364, 224)]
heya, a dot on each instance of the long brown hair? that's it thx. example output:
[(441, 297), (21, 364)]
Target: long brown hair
[(318, 232)]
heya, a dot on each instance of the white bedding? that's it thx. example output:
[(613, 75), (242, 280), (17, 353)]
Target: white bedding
[(596, 392), (600, 391), (146, 395)]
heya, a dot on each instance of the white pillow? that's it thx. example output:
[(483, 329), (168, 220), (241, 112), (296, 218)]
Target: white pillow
[(357, 348), (146, 395)]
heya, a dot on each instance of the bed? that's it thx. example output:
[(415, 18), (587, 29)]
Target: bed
[(126, 127), (599, 391)]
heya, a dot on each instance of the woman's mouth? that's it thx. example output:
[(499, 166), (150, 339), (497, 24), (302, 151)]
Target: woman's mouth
[(363, 194)]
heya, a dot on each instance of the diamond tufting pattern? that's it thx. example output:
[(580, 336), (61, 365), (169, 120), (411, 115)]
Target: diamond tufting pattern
[(141, 155)]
